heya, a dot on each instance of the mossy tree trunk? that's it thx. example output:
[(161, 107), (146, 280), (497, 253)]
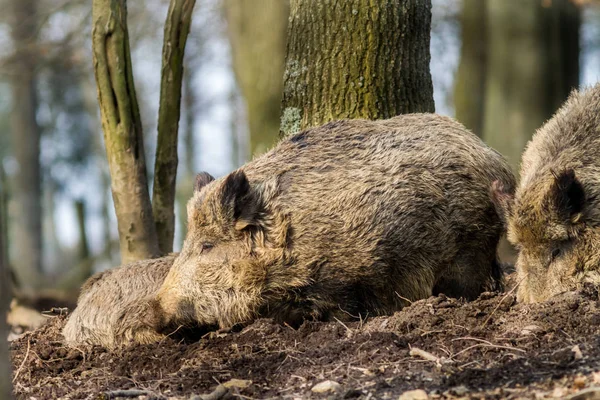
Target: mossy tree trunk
[(25, 135), (356, 59), (177, 27), (469, 90), (257, 34), (122, 130), (532, 66), (144, 231)]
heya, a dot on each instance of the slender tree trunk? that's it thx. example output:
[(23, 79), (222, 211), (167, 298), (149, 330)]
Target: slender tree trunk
[(4, 199), (469, 90), (177, 27), (530, 70), (191, 108), (84, 246), (53, 251), (257, 33), (122, 130), (563, 21), (5, 296), (186, 187), (356, 59), (234, 131), (26, 144)]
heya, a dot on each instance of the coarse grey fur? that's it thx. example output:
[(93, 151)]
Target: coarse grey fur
[(349, 219), (112, 304)]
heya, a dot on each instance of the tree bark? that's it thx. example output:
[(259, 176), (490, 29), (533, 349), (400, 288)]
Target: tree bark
[(177, 27), (532, 50), (122, 130), (257, 34), (356, 59), (469, 90), (5, 296), (26, 144)]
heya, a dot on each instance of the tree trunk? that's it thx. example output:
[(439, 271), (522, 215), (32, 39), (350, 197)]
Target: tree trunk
[(532, 50), (122, 130), (469, 90), (177, 27), (563, 21), (26, 144), (4, 200), (257, 33), (84, 246), (185, 189), (5, 296), (356, 59)]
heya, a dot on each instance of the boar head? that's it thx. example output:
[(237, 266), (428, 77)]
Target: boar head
[(548, 223), (234, 258)]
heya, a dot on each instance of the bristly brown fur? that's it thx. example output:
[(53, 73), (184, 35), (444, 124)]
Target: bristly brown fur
[(555, 216), (349, 218)]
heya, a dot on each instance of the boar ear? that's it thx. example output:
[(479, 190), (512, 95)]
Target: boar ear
[(240, 200), (567, 195), (202, 179), (502, 198)]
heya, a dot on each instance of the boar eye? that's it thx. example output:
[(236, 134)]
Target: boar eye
[(206, 247), (555, 253)]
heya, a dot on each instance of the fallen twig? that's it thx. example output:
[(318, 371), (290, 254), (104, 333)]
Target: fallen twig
[(500, 302), (484, 343), (24, 360), (350, 332), (416, 352)]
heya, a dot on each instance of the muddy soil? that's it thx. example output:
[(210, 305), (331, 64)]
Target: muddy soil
[(489, 348)]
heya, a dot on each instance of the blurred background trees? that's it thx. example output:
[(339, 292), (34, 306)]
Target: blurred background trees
[(5, 297), (257, 32), (516, 64)]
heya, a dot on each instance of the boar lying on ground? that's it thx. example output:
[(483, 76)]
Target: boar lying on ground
[(349, 219), (111, 303), (554, 218)]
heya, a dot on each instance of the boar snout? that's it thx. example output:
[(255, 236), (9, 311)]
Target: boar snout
[(168, 313)]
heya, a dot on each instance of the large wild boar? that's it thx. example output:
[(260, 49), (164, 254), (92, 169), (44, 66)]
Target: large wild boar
[(349, 219), (111, 304), (554, 218)]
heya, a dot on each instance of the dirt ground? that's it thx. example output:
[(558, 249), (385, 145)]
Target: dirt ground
[(489, 348)]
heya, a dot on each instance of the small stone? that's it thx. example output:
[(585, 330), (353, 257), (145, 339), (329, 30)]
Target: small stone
[(327, 386), (559, 392), (579, 382), (530, 329), (577, 352), (418, 394)]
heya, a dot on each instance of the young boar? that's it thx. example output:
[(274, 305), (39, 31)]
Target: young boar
[(349, 219), (554, 218), (112, 304)]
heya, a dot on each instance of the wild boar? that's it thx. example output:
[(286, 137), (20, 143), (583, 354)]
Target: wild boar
[(111, 305), (554, 217), (349, 219)]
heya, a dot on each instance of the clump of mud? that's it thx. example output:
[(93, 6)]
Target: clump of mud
[(488, 348)]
